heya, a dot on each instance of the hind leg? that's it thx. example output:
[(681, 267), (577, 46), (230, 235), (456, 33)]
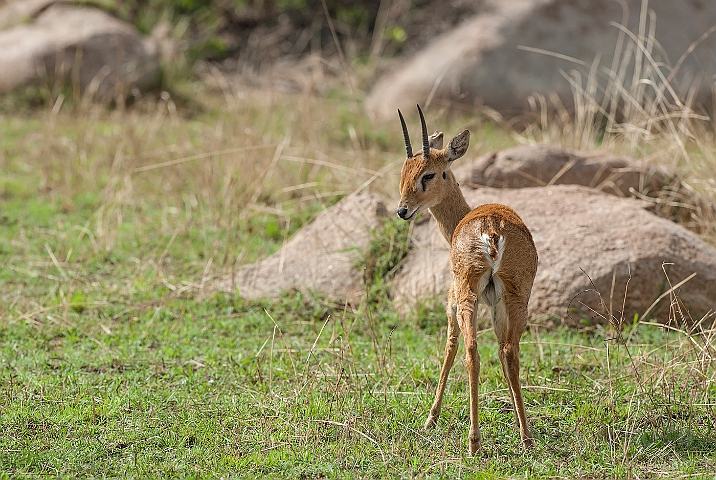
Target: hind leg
[(499, 325), (466, 309), (509, 321)]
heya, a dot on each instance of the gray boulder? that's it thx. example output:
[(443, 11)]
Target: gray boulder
[(581, 233), (16, 12), (483, 61), (321, 257), (103, 55), (539, 165)]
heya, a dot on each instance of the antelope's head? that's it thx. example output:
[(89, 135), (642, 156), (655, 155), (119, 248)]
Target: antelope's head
[(425, 180)]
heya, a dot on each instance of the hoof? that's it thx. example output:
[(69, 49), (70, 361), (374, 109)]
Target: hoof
[(475, 443), (529, 443), (431, 421)]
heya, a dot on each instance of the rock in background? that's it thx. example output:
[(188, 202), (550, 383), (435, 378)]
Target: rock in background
[(580, 233), (482, 61), (88, 47), (540, 165), (321, 257)]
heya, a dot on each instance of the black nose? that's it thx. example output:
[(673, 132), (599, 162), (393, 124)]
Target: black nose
[(402, 212)]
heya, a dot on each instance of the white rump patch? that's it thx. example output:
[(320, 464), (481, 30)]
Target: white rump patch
[(500, 250), (490, 286), (485, 247)]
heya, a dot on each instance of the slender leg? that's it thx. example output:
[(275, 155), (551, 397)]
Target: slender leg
[(466, 317), (450, 352), (499, 325), (510, 358)]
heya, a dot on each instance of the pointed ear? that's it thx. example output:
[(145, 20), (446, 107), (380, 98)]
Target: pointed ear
[(458, 147), (436, 140)]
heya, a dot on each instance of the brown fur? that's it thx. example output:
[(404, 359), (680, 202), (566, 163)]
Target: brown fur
[(506, 291)]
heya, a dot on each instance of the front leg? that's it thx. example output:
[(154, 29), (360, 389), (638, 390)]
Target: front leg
[(450, 352)]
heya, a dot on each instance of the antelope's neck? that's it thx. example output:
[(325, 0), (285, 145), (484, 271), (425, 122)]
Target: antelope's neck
[(451, 210)]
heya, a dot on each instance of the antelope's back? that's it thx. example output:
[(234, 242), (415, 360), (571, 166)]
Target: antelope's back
[(518, 260)]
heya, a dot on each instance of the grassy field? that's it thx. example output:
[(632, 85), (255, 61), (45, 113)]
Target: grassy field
[(118, 359)]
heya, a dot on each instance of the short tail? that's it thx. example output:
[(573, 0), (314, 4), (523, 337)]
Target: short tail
[(493, 246)]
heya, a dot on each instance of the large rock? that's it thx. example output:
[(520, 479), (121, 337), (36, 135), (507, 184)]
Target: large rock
[(321, 257), (580, 232), (101, 54), (482, 60), (15, 12), (540, 165)]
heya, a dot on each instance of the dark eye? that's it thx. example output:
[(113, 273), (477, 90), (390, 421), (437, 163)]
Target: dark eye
[(426, 177)]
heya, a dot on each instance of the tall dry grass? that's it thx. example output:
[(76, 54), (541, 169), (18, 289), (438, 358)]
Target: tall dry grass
[(250, 151), (169, 198), (632, 107), (263, 152)]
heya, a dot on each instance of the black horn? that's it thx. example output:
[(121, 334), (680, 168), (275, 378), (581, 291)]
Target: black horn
[(408, 148), (426, 141)]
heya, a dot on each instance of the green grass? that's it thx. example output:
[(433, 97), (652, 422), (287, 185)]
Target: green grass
[(302, 388), (118, 359)]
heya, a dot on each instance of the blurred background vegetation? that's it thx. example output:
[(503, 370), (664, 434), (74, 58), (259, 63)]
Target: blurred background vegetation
[(218, 29), (253, 36)]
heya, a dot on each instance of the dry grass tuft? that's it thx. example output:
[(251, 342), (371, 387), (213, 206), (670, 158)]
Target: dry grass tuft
[(630, 107), (675, 372)]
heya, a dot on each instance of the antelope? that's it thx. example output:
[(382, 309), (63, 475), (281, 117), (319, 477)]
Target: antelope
[(493, 260)]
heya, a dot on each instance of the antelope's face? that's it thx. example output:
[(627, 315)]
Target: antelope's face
[(424, 179)]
